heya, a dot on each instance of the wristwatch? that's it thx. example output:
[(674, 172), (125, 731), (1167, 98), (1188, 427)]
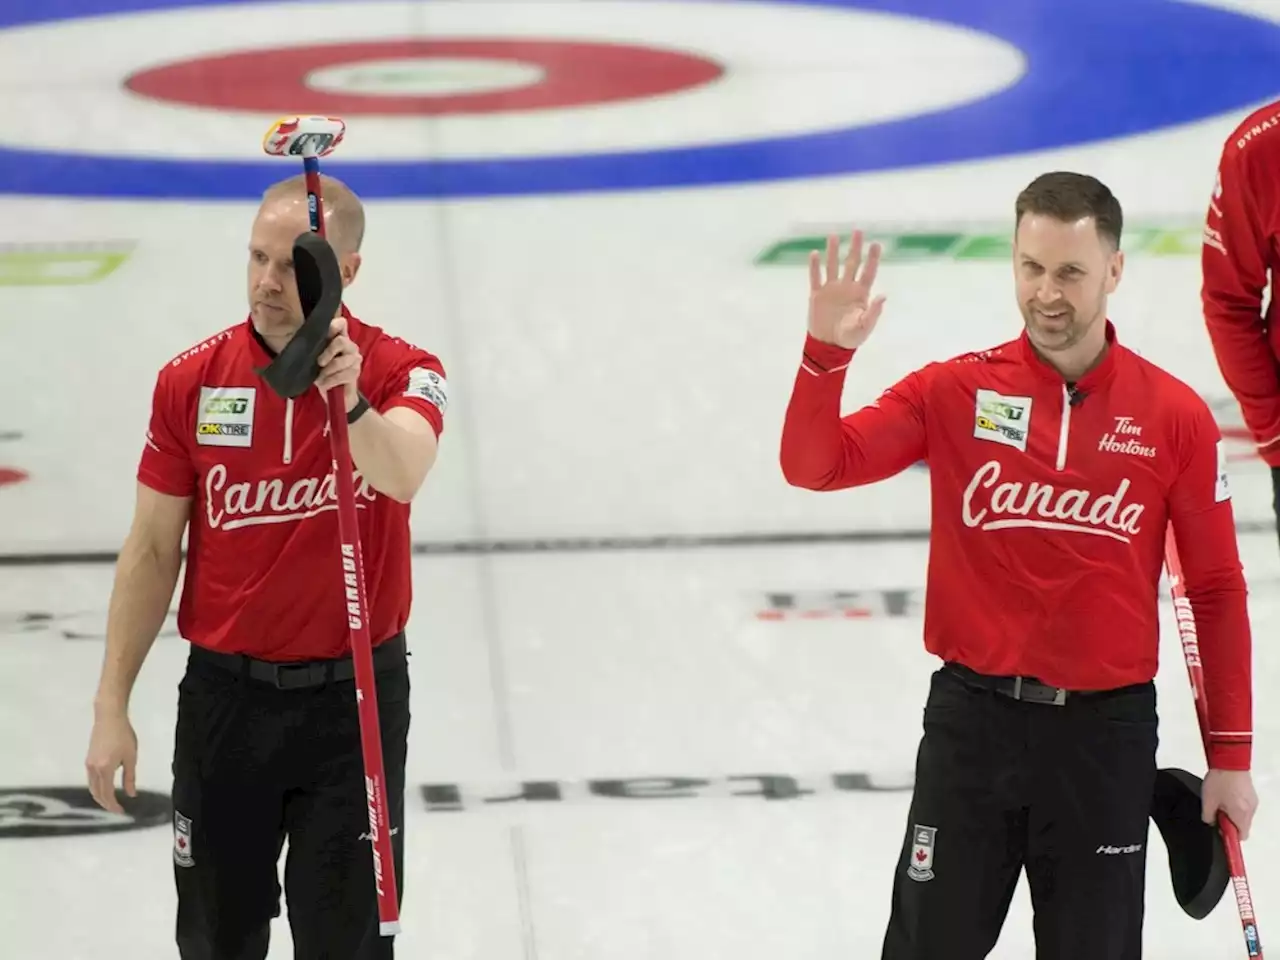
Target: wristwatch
[(358, 410)]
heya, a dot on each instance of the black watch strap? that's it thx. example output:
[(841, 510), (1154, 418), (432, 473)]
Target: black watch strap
[(358, 410)]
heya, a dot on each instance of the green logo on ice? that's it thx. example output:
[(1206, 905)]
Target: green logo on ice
[(971, 243), (59, 265)]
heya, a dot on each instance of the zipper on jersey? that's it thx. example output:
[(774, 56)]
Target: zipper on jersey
[(1066, 427), (288, 431)]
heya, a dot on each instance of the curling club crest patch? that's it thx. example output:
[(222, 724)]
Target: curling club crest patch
[(921, 866), (182, 841)]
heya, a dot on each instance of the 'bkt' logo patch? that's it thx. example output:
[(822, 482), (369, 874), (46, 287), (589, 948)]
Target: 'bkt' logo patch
[(227, 405), (1002, 419)]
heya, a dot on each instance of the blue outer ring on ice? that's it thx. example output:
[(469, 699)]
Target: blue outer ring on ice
[(1096, 69)]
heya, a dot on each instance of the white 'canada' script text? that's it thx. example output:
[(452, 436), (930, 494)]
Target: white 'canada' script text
[(247, 504), (1042, 505)]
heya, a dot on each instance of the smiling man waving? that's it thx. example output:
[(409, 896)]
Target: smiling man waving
[(1057, 462)]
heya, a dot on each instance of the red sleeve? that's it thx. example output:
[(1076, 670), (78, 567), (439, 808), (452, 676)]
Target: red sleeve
[(1205, 532), (407, 376), (823, 451), (1234, 267), (166, 465)]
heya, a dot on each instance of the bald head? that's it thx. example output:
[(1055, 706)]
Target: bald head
[(343, 211), (282, 218)]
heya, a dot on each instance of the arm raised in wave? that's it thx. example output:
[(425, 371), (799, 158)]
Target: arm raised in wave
[(820, 449)]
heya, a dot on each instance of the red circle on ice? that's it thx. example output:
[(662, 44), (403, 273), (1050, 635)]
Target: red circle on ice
[(572, 74)]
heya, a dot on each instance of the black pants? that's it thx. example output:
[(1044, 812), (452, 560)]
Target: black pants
[(254, 764), (1062, 790)]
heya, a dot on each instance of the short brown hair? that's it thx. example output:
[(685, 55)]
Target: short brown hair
[(1070, 197)]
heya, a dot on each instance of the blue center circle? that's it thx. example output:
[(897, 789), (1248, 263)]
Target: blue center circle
[(1096, 70)]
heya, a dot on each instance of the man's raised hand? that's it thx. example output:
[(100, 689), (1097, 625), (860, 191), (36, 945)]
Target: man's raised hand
[(841, 310)]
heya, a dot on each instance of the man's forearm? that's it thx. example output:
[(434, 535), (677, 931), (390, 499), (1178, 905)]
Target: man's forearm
[(144, 585), (393, 459)]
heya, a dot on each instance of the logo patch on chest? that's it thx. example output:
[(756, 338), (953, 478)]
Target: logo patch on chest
[(1002, 419), (225, 417)]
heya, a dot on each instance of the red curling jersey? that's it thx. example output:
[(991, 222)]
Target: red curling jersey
[(1048, 515), (1241, 244), (264, 573)]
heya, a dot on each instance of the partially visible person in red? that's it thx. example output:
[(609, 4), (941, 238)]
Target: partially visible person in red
[(1241, 247), (1057, 461)]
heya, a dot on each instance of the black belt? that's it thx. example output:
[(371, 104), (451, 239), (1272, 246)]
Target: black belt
[(1028, 688), (297, 675)]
